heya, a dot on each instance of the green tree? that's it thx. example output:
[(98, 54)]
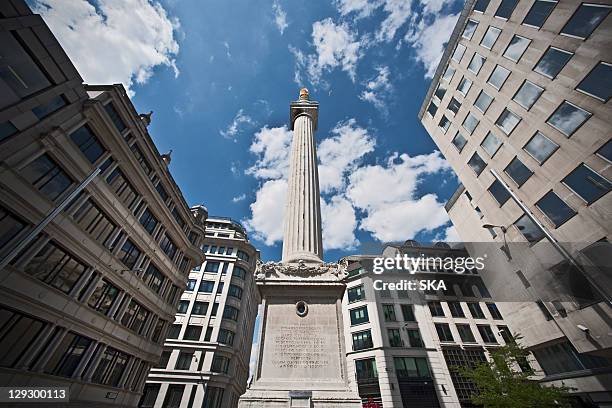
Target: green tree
[(504, 381)]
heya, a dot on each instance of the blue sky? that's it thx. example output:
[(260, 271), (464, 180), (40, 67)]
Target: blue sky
[(219, 76)]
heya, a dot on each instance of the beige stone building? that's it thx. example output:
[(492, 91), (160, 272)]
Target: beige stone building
[(205, 361), (519, 106), (402, 345), (85, 301)]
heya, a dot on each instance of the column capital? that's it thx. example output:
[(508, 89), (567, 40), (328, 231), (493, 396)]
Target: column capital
[(304, 107)]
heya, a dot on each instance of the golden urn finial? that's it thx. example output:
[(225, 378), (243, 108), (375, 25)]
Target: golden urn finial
[(304, 94)]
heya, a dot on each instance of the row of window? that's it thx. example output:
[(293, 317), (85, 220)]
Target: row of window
[(61, 352), (405, 367), (467, 336), (213, 396), (456, 310)]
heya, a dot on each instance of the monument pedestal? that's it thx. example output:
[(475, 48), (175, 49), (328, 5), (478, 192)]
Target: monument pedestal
[(301, 359)]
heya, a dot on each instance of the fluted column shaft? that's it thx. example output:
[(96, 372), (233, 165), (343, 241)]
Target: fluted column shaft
[(302, 238)]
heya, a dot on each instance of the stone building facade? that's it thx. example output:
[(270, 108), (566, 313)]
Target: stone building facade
[(86, 301), (519, 106), (205, 361)]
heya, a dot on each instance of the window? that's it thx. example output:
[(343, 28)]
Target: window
[(459, 141), (411, 367), (149, 395), (476, 63), (190, 285), (220, 287), (539, 12), (567, 118), (498, 77), (174, 331), (454, 105), (555, 208), (182, 306), (483, 101), (470, 27), (448, 74), (491, 144), (465, 332), (598, 83), (230, 312), (87, 143), (440, 91), (115, 117), (47, 176), (432, 108), (135, 317), (110, 368), (356, 293), (199, 308), (168, 246), (225, 336), (362, 340), (68, 355), (444, 123), (235, 291), (142, 160), (459, 51), (94, 221), (148, 221), (552, 62), (490, 37), (529, 229), (157, 330), (389, 313), (183, 362), (585, 20), (470, 122), (154, 278), (604, 151), (47, 108), (589, 185), (103, 296), (563, 357), (19, 332), (504, 331), (518, 171), (495, 314), (395, 339), (209, 330), (540, 147), (239, 272), (407, 313), (506, 8), (213, 397), (6, 128), (206, 286), (475, 310), (366, 369), (435, 308), (192, 332), (162, 192), (359, 315), (212, 266), (179, 220), (517, 47), (220, 364), (122, 188), (242, 255), (498, 192), (481, 5), (129, 254), (477, 164), (56, 267), (507, 121), (414, 337), (528, 94), (486, 333), (456, 309), (174, 395), (444, 332), (464, 86)]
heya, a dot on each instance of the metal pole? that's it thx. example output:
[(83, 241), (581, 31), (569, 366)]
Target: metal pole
[(548, 235), (45, 221)]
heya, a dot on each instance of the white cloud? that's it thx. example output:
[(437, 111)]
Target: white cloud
[(235, 127), (362, 8), (378, 89), (228, 54), (280, 17), (336, 46), (451, 234), (266, 221), (341, 154), (116, 41), (239, 198), (429, 40), (339, 223), (399, 12), (272, 147)]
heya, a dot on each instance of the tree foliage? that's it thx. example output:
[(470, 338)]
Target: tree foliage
[(502, 383)]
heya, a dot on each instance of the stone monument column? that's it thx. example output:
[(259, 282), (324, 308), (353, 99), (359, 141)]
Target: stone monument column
[(301, 359), (302, 232)]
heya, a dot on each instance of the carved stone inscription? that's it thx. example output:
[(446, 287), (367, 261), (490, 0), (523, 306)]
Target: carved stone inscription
[(300, 348)]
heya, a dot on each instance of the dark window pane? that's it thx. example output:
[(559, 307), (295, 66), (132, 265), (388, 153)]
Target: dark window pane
[(46, 175), (464, 86), (586, 19), (454, 105), (465, 332), (552, 62), (508, 121), (506, 8), (115, 117), (432, 109), (47, 108), (604, 151), (539, 12), (444, 124), (498, 192), (7, 129), (359, 315), (483, 101), (68, 355), (587, 184), (598, 82), (88, 143), (10, 226), (529, 230), (459, 141), (469, 29), (470, 123), (555, 208), (567, 118), (518, 171), (55, 267), (481, 5), (477, 164)]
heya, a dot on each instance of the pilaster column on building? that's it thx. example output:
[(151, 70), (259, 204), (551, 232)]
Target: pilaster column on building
[(116, 304), (124, 304), (39, 343), (31, 252), (126, 373), (46, 356), (85, 359), (83, 281), (95, 359)]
